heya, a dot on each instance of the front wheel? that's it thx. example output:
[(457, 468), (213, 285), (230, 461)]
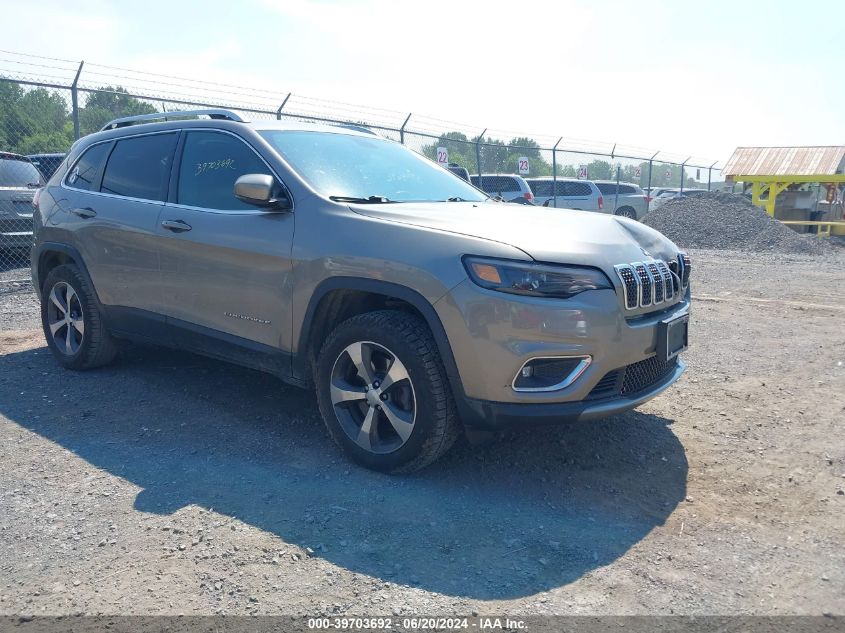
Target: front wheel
[(383, 392)]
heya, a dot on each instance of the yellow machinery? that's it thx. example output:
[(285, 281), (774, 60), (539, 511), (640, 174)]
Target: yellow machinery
[(772, 170), (765, 189)]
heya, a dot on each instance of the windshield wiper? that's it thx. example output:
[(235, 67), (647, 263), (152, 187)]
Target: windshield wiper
[(367, 200), (456, 199)]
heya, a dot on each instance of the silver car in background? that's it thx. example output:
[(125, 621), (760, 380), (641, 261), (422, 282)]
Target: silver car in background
[(624, 198), (19, 179), (581, 195), (507, 187)]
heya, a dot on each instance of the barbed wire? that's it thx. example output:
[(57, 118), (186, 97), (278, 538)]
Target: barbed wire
[(144, 84)]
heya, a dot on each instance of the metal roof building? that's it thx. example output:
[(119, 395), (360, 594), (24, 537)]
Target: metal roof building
[(786, 161), (771, 170)]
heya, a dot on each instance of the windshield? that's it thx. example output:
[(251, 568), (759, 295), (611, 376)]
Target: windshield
[(367, 169), (18, 173)]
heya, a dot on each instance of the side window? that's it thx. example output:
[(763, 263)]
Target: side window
[(211, 163), (541, 188), (607, 189), (626, 190), (139, 167), (84, 173)]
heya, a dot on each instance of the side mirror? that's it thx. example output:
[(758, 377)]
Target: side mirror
[(261, 190)]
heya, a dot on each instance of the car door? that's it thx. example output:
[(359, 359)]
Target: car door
[(112, 214), (225, 264)]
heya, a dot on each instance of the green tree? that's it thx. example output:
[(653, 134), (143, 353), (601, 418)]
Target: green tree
[(107, 103)]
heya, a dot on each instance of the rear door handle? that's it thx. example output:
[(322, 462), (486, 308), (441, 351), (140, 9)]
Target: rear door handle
[(177, 226), (86, 212)]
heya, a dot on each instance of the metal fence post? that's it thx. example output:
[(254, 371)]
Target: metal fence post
[(75, 102), (402, 129), (478, 155), (683, 174), (710, 174), (279, 111), (650, 165), (616, 204), (554, 171)]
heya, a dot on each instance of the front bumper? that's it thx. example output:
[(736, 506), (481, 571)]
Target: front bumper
[(484, 415), (492, 334)]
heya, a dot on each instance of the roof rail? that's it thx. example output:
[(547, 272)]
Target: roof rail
[(212, 113), (357, 128)]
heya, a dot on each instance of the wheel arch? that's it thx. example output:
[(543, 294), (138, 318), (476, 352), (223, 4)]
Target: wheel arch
[(338, 298), (49, 255)]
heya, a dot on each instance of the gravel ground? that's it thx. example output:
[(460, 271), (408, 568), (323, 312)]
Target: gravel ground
[(169, 483), (728, 221)]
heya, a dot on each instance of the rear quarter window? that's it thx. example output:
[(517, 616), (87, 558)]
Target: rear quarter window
[(139, 167), (541, 188), (499, 184), (577, 189), (607, 189), (84, 172), (19, 173)]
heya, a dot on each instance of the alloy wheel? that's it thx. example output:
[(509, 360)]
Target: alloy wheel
[(373, 397), (65, 318)]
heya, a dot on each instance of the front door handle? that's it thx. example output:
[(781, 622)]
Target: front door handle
[(177, 226), (85, 213)]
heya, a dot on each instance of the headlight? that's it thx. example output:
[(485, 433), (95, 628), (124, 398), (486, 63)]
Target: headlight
[(535, 280)]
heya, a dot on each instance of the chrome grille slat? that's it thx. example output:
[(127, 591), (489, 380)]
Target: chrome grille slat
[(658, 283), (668, 285), (646, 281), (653, 282)]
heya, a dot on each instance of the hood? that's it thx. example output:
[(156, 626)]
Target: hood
[(545, 234)]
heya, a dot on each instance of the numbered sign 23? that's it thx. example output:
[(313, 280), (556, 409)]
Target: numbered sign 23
[(442, 156)]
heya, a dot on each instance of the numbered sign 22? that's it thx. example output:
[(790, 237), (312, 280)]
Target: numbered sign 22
[(637, 172), (523, 165), (442, 156)]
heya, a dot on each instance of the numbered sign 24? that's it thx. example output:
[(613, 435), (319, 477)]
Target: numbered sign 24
[(582, 171), (442, 156), (523, 165)]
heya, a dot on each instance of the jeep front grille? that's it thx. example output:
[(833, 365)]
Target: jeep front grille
[(653, 282)]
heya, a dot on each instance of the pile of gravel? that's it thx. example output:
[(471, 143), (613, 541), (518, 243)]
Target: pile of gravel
[(728, 221)]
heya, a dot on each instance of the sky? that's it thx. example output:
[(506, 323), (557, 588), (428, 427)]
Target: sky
[(688, 78)]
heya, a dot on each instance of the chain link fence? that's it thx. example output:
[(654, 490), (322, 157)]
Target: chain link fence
[(47, 103)]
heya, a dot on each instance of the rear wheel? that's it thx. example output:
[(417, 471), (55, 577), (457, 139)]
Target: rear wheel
[(72, 323), (627, 212), (383, 393)]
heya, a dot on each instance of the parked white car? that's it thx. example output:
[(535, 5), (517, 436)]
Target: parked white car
[(581, 195), (624, 198)]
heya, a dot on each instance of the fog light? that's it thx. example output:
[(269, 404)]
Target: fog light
[(550, 374)]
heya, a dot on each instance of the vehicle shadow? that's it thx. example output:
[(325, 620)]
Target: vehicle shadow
[(511, 519)]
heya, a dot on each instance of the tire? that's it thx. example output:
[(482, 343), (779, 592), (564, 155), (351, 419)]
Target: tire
[(79, 341), (412, 422), (626, 212)]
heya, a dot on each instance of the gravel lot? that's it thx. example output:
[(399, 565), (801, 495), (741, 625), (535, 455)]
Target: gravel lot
[(169, 483)]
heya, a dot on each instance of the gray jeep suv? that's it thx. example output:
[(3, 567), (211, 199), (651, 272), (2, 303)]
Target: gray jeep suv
[(337, 259)]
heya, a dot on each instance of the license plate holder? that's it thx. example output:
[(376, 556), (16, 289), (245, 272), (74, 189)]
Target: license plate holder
[(672, 337)]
